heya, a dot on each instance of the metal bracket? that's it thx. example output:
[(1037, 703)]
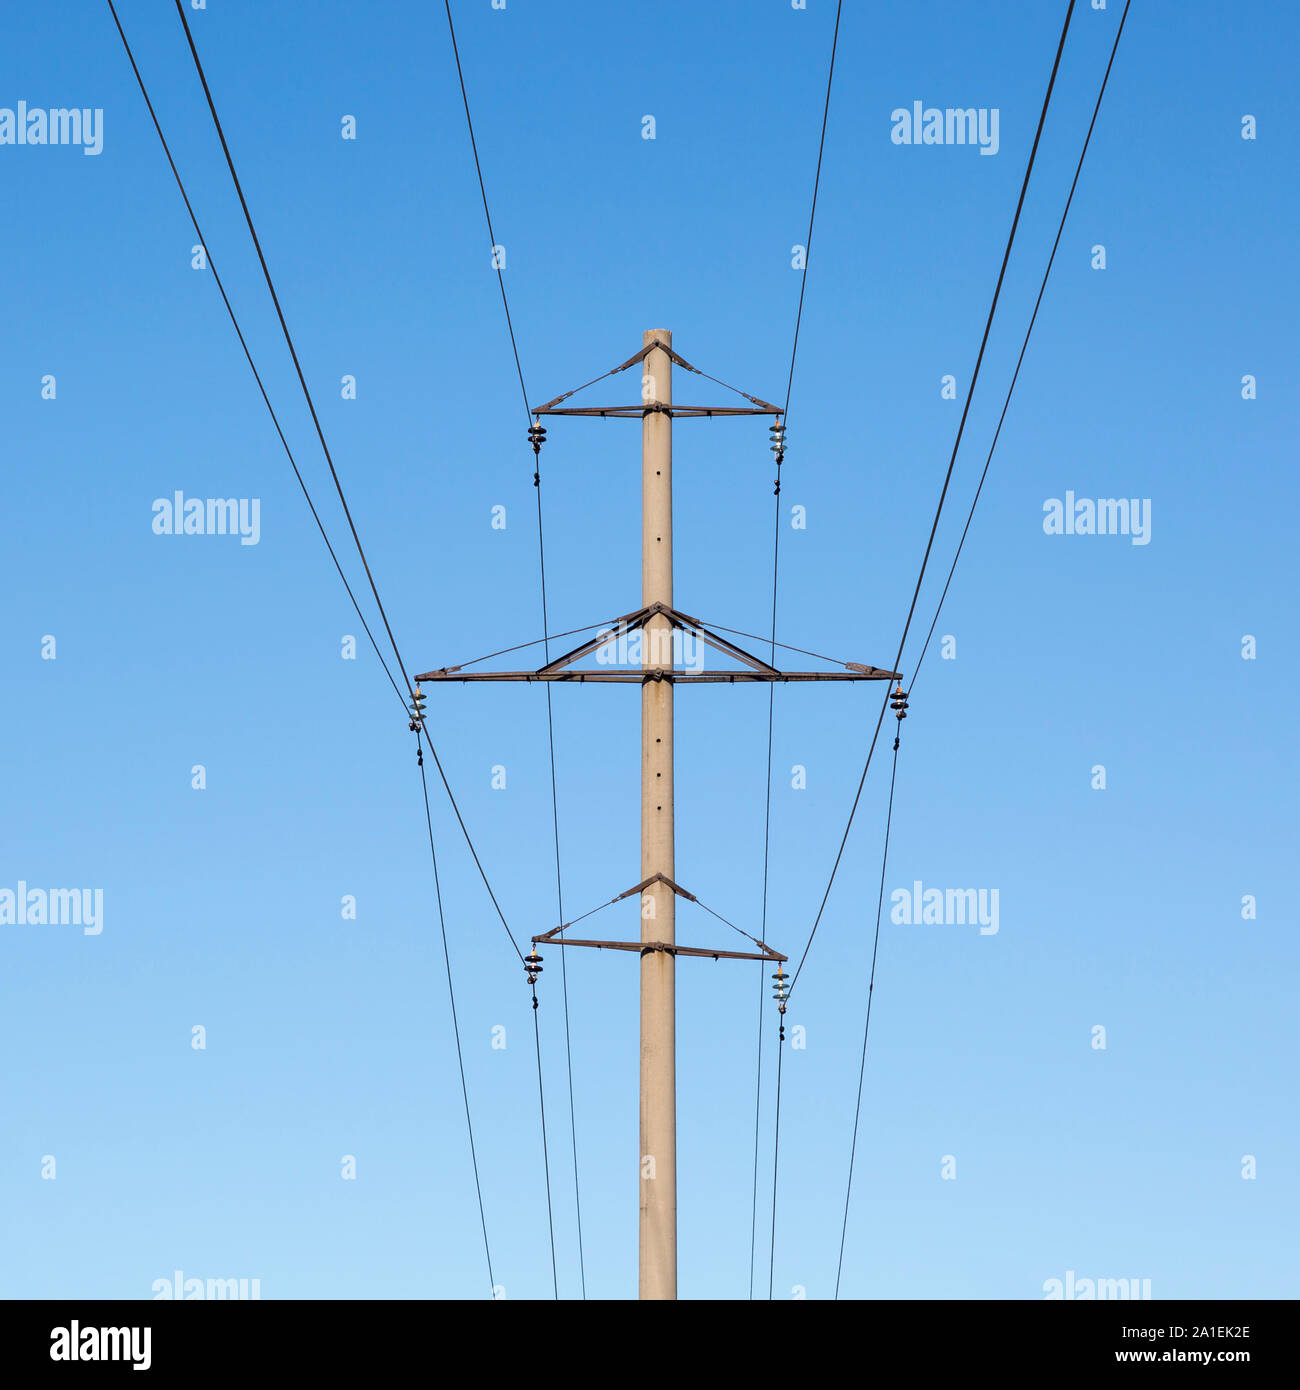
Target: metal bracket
[(670, 949), (674, 412), (562, 667), (625, 412), (553, 937)]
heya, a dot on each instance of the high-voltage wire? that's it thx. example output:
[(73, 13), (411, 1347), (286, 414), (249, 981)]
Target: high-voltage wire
[(239, 333), (288, 338), (455, 1024), (550, 718), (779, 449), (320, 433), (866, 1030), (1024, 346), (316, 516), (952, 463), (912, 684)]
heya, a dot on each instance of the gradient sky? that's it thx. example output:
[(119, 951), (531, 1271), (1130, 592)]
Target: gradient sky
[(329, 1037)]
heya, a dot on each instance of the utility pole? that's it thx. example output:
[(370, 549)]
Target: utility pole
[(657, 623), (658, 1159)]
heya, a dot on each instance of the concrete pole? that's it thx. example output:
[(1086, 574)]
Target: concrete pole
[(658, 1165)]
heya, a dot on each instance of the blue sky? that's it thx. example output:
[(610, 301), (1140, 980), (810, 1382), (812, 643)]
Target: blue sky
[(329, 1037)]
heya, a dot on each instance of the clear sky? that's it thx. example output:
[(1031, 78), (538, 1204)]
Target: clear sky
[(222, 907)]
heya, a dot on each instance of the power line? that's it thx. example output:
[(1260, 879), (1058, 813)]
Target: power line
[(455, 1023), (288, 338), (559, 879), (779, 448), (871, 994), (324, 536), (422, 732), (239, 333), (894, 771), (776, 1157), (546, 1155), (564, 960), (320, 433), (952, 462), (1024, 346), (487, 212), (225, 299), (758, 1103), (812, 216), (550, 718), (767, 849), (478, 863), (912, 685)]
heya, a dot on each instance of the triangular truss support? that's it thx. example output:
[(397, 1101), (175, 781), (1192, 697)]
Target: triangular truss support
[(757, 405), (554, 937), (755, 668)]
